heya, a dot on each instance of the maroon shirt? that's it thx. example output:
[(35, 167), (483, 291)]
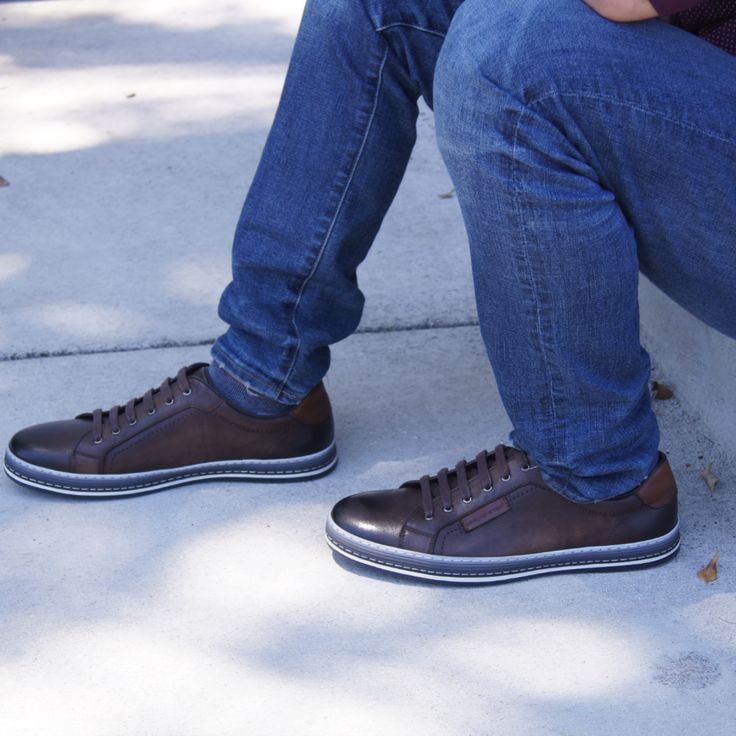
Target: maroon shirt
[(712, 20)]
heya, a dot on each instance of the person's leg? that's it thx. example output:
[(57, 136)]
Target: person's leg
[(588, 150), (581, 150), (331, 166), (333, 161)]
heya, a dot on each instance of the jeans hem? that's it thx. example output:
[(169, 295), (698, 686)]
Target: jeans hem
[(566, 489), (253, 382)]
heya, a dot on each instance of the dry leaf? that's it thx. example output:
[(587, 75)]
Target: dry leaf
[(447, 195), (4, 182), (662, 391), (710, 477), (710, 572)]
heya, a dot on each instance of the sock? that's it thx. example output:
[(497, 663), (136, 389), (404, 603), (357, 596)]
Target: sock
[(239, 397)]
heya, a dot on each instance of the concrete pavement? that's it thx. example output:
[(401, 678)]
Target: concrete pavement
[(218, 608), (151, 185)]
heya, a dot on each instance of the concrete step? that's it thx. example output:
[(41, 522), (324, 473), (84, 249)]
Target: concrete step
[(698, 362)]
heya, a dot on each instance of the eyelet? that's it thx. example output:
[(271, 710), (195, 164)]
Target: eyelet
[(151, 412), (506, 477), (448, 509), (429, 517), (98, 440), (169, 402), (468, 500), (488, 488), (187, 392), (116, 431), (133, 423)]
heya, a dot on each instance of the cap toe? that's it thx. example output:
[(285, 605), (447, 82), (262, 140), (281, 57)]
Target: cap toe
[(50, 445), (377, 516)]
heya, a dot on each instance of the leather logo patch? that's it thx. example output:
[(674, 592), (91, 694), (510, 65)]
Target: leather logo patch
[(484, 515)]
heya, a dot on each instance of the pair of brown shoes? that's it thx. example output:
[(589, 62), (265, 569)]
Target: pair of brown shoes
[(490, 519)]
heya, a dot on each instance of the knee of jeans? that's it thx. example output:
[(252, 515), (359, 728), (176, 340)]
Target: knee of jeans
[(517, 48), (340, 15), (374, 12)]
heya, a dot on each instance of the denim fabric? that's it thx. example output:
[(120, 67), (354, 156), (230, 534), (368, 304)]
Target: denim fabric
[(587, 151), (334, 158), (582, 151)]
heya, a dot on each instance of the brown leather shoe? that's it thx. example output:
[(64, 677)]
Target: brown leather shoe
[(496, 519), (181, 432)]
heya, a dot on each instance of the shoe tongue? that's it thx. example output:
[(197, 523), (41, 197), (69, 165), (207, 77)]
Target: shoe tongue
[(199, 370), (512, 453)]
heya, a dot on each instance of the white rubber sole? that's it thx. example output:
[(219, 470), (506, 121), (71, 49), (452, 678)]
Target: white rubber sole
[(128, 484), (449, 569)]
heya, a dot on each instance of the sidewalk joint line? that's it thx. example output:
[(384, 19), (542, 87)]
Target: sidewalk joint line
[(170, 344)]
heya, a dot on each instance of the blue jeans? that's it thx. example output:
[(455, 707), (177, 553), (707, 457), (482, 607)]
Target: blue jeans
[(583, 152)]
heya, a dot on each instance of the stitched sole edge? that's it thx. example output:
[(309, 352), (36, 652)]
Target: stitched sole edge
[(458, 569), (128, 484)]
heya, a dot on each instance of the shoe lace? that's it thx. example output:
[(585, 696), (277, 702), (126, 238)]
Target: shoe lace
[(112, 416), (445, 481)]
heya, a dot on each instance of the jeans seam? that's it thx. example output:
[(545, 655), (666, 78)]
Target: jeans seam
[(632, 106), (330, 229), (380, 29), (532, 281)]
